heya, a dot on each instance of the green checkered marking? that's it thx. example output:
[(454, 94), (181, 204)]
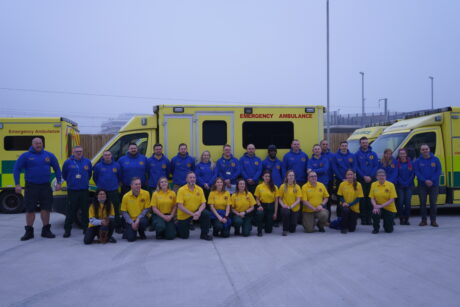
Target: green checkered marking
[(456, 179), (8, 166)]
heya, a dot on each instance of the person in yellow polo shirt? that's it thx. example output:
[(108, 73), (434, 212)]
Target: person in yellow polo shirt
[(101, 216), (243, 209), (163, 205), (350, 192), (134, 206), (191, 204), (267, 201), (220, 202), (382, 195), (314, 197), (289, 194)]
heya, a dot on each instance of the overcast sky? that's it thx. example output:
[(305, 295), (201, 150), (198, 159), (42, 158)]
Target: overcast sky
[(190, 51)]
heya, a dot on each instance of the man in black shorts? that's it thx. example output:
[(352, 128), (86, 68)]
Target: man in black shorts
[(37, 163)]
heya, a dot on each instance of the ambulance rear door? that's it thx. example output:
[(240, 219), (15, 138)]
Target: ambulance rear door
[(212, 131)]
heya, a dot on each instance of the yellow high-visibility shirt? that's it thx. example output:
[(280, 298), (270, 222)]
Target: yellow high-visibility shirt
[(382, 193), (314, 195), (191, 200), (164, 201), (220, 200), (264, 193), (349, 194), (135, 205), (242, 202), (102, 214), (289, 197)]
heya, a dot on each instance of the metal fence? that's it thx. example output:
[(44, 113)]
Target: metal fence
[(357, 119)]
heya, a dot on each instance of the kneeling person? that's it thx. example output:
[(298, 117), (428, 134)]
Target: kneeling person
[(164, 209), (134, 207), (314, 197), (101, 215), (219, 202), (243, 203), (191, 205), (382, 195)]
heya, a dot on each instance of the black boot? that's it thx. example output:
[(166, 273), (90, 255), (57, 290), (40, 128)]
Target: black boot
[(402, 221), (29, 233), (46, 232), (237, 231)]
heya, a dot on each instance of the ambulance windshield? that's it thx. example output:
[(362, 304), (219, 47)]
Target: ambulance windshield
[(385, 141)]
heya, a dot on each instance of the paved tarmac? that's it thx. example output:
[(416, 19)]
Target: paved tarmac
[(414, 266)]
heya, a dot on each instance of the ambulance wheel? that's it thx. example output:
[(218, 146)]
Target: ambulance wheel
[(10, 202)]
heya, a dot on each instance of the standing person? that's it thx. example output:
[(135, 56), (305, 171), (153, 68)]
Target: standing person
[(163, 205), (296, 160), (243, 209), (220, 202), (274, 165), (101, 218), (325, 152), (134, 206), (428, 169), (404, 185), (320, 165), (342, 162), (77, 171), (267, 202), (37, 165), (367, 164), (132, 165), (314, 197), (107, 176), (290, 195), (383, 194), (191, 205), (228, 168), (158, 166), (251, 167), (350, 192), (205, 173), (388, 164), (181, 165)]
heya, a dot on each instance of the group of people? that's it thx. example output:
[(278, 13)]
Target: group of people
[(241, 193)]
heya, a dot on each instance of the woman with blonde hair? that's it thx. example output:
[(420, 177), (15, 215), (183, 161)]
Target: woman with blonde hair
[(205, 173), (289, 195), (163, 205)]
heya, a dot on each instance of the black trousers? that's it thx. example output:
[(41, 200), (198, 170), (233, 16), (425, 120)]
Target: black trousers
[(183, 226), (267, 220), (76, 199), (130, 234), (290, 219), (349, 218), (92, 232)]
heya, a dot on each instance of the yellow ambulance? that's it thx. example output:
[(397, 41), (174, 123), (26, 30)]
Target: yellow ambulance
[(59, 135), (440, 130), (371, 132)]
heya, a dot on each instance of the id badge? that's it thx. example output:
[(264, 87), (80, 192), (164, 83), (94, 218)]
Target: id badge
[(78, 176), (228, 173)]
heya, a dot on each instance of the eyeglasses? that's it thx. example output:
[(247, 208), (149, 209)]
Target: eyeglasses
[(312, 176)]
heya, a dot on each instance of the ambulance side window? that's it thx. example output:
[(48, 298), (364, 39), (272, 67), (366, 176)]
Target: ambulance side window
[(20, 142), (418, 140), (120, 147), (263, 134), (214, 132)]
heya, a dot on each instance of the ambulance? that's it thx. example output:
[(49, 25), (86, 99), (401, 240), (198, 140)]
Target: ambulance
[(371, 132), (440, 130), (59, 135)]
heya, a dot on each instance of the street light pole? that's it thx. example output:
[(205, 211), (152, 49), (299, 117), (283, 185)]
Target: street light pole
[(385, 107), (327, 74), (362, 97), (432, 95)]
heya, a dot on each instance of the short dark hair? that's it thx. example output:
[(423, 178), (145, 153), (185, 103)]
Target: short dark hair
[(227, 145), (157, 145), (182, 144), (343, 142), (363, 138), (130, 144)]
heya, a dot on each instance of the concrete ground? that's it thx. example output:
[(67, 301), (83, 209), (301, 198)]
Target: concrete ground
[(413, 266)]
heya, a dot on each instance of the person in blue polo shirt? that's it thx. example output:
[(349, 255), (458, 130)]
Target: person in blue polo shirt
[(296, 160), (428, 170), (158, 166), (319, 163), (342, 161), (367, 163), (77, 171), (228, 167), (274, 165), (132, 165), (181, 165), (404, 185), (37, 165), (205, 173), (107, 176), (251, 168), (388, 164)]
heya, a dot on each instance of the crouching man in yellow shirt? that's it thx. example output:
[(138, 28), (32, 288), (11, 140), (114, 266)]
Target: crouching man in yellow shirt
[(134, 206), (382, 195), (314, 197), (191, 204)]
